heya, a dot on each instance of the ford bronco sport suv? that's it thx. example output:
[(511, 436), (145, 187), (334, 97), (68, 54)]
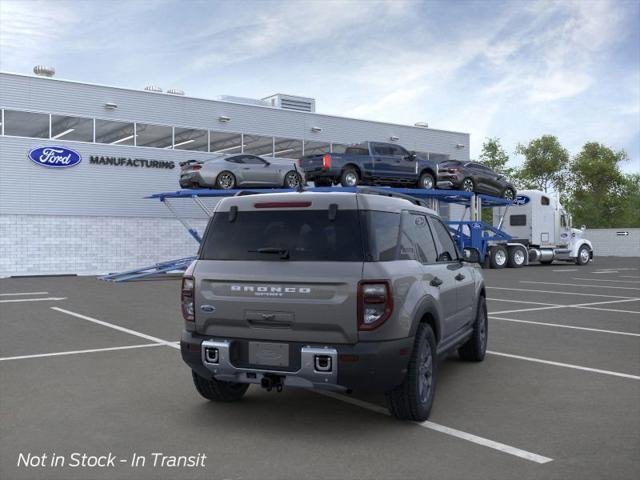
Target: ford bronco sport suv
[(343, 291)]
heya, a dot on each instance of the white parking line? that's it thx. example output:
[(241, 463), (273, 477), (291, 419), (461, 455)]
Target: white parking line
[(119, 328), (566, 270), (565, 365), (76, 352), (598, 330), (576, 305), (629, 276), (581, 285), (527, 290), (469, 437), (47, 299), (606, 271), (610, 310), (607, 280), (521, 301), (532, 309), (23, 293)]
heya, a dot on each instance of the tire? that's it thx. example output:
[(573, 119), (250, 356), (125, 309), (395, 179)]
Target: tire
[(217, 391), (475, 348), (517, 257), (292, 179), (498, 257), (225, 180), (468, 185), (426, 181), (322, 182), (584, 255), (349, 177), (509, 194), (413, 398)]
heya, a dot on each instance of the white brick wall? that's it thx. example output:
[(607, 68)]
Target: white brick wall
[(43, 245), (607, 242)]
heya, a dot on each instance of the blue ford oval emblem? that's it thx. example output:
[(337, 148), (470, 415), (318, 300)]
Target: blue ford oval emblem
[(55, 157), (521, 200), (208, 308)]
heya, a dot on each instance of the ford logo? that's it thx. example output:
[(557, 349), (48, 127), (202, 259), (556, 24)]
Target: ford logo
[(521, 200), (55, 157)]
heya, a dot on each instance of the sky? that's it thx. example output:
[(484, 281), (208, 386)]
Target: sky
[(514, 69)]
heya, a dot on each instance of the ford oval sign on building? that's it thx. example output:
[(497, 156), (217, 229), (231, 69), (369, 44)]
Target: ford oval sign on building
[(55, 157), (521, 200)]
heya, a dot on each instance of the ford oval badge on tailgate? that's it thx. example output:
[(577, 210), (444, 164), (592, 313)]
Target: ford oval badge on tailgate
[(55, 157), (208, 308)]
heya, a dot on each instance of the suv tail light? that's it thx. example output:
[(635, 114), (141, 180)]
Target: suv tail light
[(188, 308), (375, 303), (326, 161)]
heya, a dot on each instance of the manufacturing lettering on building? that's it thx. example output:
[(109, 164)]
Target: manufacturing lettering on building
[(130, 162)]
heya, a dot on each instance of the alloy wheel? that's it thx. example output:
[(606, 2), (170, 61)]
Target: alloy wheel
[(292, 180), (351, 179), (225, 181), (467, 185)]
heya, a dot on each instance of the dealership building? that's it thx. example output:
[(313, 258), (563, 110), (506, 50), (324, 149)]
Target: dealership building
[(91, 217)]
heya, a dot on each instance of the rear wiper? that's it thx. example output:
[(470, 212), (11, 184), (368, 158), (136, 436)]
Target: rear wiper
[(283, 252)]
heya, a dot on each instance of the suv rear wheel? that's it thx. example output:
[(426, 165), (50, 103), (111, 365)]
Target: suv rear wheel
[(426, 181), (413, 398), (217, 391), (475, 348)]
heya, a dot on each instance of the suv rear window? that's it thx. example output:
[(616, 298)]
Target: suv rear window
[(307, 235)]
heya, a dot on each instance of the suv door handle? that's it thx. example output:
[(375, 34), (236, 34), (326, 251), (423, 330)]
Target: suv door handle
[(436, 282), (460, 277)]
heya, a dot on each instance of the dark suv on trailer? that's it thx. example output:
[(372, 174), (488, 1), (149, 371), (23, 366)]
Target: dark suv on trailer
[(339, 291), (474, 177)]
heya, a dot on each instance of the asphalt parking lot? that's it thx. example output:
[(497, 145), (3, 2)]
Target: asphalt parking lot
[(93, 367)]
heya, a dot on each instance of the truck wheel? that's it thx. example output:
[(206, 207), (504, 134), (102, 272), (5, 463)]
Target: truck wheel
[(413, 398), (349, 177), (475, 348), (517, 257), (426, 181), (217, 391), (583, 255), (498, 256)]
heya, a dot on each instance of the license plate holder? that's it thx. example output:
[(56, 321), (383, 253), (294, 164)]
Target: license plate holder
[(270, 354)]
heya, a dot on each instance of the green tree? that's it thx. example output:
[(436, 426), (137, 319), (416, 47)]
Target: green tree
[(630, 215), (600, 196), (545, 164), (495, 157)]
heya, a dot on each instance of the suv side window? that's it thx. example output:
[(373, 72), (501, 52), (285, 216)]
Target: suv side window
[(415, 228), (447, 251)]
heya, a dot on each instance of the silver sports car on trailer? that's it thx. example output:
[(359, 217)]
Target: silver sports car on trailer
[(244, 170)]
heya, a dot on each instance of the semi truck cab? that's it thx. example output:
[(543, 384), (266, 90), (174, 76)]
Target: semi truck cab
[(540, 223)]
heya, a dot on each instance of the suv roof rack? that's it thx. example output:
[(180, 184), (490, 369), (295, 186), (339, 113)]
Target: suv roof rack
[(388, 193)]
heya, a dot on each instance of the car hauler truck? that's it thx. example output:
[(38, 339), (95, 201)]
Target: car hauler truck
[(540, 231)]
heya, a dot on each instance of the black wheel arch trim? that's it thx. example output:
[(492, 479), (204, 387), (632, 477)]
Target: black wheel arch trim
[(427, 310)]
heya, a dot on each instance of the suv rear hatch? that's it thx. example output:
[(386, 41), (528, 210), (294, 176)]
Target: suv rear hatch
[(281, 267)]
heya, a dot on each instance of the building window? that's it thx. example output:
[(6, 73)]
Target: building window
[(287, 148), (258, 145), (191, 139), (225, 143), (115, 133), (316, 148), (26, 124), (157, 136), (71, 128)]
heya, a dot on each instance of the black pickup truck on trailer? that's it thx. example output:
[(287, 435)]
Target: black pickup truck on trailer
[(370, 163)]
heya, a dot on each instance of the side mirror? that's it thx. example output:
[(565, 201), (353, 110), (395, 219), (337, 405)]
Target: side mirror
[(471, 255), (583, 228)]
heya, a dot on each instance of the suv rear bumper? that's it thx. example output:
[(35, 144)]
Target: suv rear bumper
[(364, 367)]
